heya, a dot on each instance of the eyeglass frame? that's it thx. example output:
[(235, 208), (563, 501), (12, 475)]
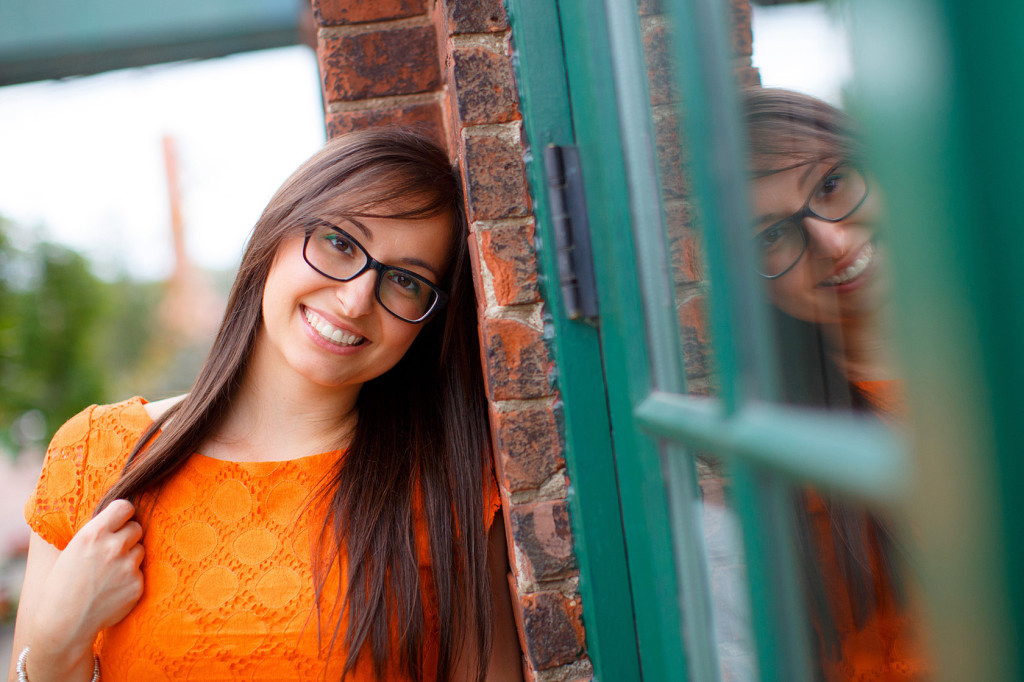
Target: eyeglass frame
[(440, 296), (806, 211)]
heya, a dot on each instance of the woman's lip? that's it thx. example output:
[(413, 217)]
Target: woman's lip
[(335, 346), (867, 251), (333, 321)]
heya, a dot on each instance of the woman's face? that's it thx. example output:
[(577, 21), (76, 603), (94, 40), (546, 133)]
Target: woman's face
[(838, 276), (337, 334)]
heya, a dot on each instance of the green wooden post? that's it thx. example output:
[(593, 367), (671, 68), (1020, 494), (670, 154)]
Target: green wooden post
[(942, 92)]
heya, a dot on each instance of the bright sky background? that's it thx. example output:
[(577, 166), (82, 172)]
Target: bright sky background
[(81, 160), (802, 47)]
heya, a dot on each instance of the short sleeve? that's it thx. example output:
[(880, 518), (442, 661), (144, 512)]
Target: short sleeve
[(53, 509)]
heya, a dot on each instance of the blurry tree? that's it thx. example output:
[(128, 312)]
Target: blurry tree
[(67, 338)]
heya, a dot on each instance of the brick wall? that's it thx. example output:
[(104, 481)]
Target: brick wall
[(446, 66)]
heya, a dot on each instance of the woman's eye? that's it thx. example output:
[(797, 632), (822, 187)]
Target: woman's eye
[(832, 183), (771, 237), (404, 282), (340, 244)]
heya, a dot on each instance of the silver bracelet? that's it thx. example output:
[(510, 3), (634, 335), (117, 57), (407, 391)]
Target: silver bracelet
[(23, 676)]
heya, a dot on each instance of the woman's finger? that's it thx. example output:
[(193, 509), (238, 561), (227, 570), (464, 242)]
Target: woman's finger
[(115, 514), (130, 533), (136, 553)]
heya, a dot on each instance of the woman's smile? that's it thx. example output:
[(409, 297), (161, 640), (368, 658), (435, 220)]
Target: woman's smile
[(330, 333), (849, 274)]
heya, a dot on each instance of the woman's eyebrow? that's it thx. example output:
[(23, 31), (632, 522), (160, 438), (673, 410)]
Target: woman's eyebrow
[(810, 169), (769, 218), (407, 261), (362, 228), (423, 264)]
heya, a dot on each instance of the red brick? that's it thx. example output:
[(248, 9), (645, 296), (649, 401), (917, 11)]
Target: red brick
[(693, 328), (400, 61), (517, 359), (660, 76), (552, 629), (684, 245), (475, 16), (543, 536), (742, 35), (512, 261), (482, 86), (671, 163), (495, 176), (336, 12), (528, 447), (423, 116)]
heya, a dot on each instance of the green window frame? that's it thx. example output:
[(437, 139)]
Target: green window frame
[(631, 429)]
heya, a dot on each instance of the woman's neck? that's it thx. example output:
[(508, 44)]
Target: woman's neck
[(276, 416)]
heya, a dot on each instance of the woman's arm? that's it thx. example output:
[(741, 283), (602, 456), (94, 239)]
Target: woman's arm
[(506, 658), (69, 596)]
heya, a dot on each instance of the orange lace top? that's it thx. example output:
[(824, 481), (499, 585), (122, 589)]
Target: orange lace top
[(228, 581), (887, 647)]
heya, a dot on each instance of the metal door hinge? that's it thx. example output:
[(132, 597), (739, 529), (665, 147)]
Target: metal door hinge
[(572, 231)]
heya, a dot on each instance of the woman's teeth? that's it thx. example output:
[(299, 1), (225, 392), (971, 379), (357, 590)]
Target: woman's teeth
[(331, 333), (855, 270)]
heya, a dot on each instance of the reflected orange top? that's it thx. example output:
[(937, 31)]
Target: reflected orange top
[(228, 579), (886, 648)]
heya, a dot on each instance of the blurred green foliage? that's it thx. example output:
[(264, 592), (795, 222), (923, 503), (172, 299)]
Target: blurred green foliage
[(67, 337)]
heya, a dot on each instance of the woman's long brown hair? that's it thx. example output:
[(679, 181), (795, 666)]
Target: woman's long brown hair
[(433, 443)]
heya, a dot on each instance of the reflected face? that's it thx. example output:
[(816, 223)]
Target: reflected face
[(827, 206), (337, 334)]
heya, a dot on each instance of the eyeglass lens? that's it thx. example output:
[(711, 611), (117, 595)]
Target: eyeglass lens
[(837, 195), (339, 256)]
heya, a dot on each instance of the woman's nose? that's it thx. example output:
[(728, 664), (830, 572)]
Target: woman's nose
[(357, 295), (826, 239)]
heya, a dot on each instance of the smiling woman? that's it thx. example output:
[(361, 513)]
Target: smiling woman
[(321, 503)]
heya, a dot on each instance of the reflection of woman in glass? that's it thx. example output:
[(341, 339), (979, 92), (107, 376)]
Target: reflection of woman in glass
[(815, 219)]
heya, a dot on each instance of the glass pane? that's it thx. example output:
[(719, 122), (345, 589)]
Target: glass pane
[(728, 574), (715, 526)]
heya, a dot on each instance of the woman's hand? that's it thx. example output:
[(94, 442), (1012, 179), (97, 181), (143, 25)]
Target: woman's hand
[(94, 583)]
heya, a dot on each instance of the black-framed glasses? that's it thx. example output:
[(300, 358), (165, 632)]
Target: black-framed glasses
[(337, 255), (840, 192)]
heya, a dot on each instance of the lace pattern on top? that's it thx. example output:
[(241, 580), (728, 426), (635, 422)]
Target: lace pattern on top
[(228, 582)]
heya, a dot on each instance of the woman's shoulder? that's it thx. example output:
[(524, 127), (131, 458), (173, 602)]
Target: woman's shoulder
[(84, 458), (127, 415)]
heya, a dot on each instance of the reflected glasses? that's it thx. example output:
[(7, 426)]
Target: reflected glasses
[(337, 255), (839, 193)]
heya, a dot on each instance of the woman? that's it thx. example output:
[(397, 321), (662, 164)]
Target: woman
[(815, 229), (816, 215), (320, 505)]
